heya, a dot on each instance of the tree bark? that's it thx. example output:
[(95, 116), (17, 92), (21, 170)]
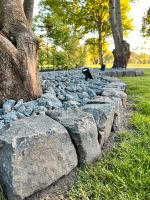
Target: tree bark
[(28, 9), (100, 46), (19, 76), (122, 48)]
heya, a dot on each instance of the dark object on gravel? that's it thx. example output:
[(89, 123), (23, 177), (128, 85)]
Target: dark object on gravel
[(87, 73)]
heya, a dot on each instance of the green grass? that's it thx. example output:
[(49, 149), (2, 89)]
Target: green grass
[(130, 66), (124, 173)]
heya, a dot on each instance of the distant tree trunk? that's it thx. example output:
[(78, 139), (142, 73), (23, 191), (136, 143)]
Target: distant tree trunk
[(19, 77), (100, 46), (122, 48)]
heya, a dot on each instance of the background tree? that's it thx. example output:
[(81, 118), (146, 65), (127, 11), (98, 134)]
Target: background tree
[(18, 52), (66, 51), (85, 16), (146, 24), (122, 48)]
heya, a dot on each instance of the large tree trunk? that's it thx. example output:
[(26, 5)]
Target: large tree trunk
[(122, 48), (19, 76)]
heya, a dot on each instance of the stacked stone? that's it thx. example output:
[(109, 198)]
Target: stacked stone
[(65, 128)]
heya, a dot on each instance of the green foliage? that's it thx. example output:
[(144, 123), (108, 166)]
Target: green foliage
[(92, 57), (62, 20), (146, 24), (139, 58), (124, 173)]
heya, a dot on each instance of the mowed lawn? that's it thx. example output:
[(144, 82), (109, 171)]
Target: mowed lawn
[(130, 66), (124, 173)]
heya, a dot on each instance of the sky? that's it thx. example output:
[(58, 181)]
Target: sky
[(137, 42)]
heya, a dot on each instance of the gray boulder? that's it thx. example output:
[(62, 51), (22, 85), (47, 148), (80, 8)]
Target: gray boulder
[(34, 153), (83, 131), (112, 101), (119, 86), (104, 117), (129, 73), (111, 92)]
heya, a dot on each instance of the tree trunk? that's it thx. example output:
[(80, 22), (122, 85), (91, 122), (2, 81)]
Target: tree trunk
[(100, 47), (122, 48), (19, 77)]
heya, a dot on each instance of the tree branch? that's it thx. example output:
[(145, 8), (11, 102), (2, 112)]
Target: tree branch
[(28, 10)]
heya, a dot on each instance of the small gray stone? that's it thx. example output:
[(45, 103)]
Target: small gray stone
[(21, 108), (9, 117), (8, 105), (2, 124), (68, 97), (49, 101), (18, 104), (1, 111), (70, 105), (20, 115), (91, 93), (40, 109)]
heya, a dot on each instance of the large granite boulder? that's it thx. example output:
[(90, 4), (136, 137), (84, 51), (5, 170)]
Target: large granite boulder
[(104, 117), (34, 153), (83, 131)]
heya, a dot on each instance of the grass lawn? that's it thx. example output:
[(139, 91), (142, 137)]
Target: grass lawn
[(124, 173), (130, 66)]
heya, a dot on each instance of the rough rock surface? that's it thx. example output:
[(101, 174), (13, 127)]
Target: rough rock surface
[(35, 150), (104, 117), (112, 101), (34, 153), (83, 132), (109, 92)]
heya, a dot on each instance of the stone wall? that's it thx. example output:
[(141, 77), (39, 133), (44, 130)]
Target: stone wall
[(44, 145)]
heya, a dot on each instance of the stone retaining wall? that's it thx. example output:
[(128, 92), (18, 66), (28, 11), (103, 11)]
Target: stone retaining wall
[(40, 148)]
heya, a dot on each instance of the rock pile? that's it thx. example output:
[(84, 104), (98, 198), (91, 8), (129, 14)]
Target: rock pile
[(44, 139)]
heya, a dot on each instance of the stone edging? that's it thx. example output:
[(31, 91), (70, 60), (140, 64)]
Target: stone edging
[(38, 150)]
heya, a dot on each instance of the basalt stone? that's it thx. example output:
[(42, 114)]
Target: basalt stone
[(118, 86), (83, 132), (8, 105), (111, 92), (104, 117), (2, 124), (18, 104), (1, 111), (20, 108), (129, 73), (139, 73), (49, 101), (112, 101), (91, 92), (70, 105), (9, 117), (34, 153)]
